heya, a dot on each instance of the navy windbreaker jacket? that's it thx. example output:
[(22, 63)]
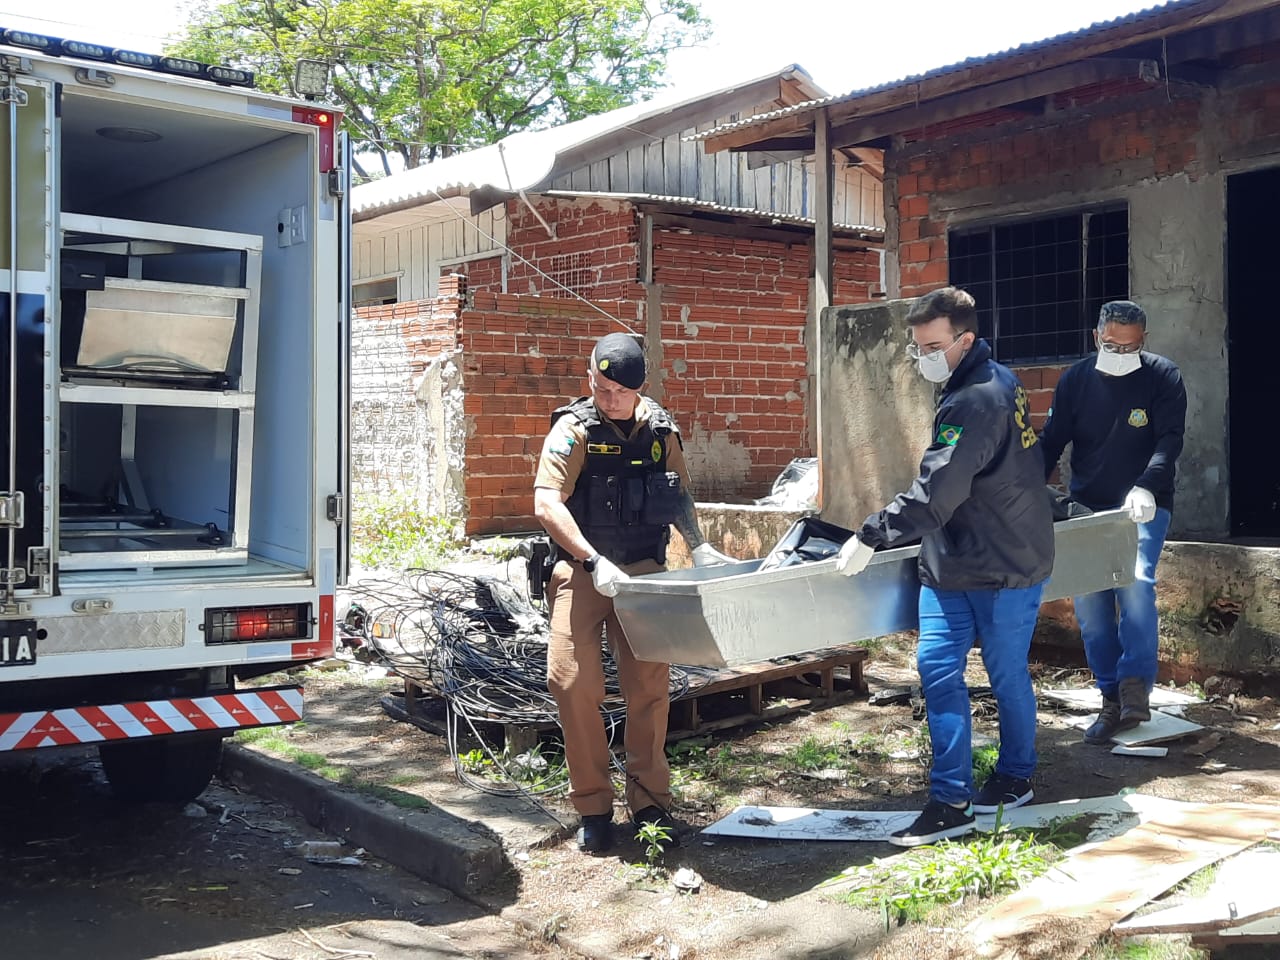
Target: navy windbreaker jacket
[(979, 506)]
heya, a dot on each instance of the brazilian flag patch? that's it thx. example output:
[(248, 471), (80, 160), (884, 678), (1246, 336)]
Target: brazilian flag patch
[(949, 435)]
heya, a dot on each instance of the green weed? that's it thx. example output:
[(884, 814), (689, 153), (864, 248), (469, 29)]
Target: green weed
[(984, 762), (909, 887), (389, 531), (654, 838), (813, 754)]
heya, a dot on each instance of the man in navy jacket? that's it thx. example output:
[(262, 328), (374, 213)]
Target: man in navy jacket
[(981, 513), (1123, 412)]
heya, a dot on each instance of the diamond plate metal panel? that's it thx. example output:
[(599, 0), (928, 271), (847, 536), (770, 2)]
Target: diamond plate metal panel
[(112, 631)]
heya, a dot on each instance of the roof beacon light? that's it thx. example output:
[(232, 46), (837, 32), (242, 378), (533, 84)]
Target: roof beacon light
[(85, 51), (232, 76), (311, 78), (131, 58), (32, 41), (182, 66)]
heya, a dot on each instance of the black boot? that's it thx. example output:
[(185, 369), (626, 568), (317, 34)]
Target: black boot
[(596, 833), (1109, 722), (1135, 700)]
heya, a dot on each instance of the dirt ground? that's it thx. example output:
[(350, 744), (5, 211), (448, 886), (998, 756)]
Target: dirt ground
[(759, 899)]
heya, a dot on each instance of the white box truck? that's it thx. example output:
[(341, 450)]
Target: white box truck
[(174, 251)]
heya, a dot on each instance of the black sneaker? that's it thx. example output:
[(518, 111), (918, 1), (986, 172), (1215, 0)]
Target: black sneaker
[(1108, 723), (1002, 791), (596, 833), (938, 821), (657, 815)]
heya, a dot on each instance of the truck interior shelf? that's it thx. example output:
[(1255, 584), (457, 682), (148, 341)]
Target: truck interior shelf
[(159, 347)]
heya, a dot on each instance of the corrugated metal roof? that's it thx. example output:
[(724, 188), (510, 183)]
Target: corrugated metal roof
[(524, 160), (710, 206), (1060, 40)]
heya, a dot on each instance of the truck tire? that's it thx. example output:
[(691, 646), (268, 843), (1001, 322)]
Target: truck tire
[(170, 770)]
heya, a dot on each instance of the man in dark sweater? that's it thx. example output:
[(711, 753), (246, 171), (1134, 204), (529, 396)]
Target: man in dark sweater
[(1123, 413)]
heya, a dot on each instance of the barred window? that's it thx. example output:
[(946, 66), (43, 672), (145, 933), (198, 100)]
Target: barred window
[(1039, 283)]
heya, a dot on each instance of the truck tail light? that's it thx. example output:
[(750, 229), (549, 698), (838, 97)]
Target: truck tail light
[(325, 122), (247, 624)]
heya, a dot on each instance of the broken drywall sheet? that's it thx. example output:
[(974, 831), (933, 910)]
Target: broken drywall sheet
[(1243, 890), (1098, 884), (1089, 699), (1113, 814), (1159, 728)]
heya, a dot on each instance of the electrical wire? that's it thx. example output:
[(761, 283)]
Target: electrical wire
[(480, 645)]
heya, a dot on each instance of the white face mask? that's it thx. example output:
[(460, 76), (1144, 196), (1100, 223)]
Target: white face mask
[(1118, 364), (933, 367)]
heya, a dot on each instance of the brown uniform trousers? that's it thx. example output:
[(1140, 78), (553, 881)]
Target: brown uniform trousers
[(575, 676)]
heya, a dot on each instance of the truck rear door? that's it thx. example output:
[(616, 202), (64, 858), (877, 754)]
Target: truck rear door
[(340, 185), (28, 441)]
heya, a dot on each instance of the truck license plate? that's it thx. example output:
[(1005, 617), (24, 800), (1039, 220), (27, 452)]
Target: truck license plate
[(17, 643)]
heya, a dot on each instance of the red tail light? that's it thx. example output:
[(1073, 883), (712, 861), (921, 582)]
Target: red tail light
[(246, 624)]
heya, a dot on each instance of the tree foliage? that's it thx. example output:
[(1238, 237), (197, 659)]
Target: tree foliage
[(426, 78)]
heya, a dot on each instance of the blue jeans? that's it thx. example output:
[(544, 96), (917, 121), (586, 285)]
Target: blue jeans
[(1120, 627), (949, 622)]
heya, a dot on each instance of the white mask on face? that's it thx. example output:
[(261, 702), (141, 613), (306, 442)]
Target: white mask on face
[(1118, 364), (933, 367)]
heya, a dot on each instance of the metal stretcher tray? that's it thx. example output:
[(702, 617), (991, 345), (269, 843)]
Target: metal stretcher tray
[(733, 614)]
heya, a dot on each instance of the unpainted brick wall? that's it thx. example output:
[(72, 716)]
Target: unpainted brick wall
[(734, 363), (1126, 131)]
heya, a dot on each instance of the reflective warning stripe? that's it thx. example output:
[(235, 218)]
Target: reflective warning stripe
[(148, 718)]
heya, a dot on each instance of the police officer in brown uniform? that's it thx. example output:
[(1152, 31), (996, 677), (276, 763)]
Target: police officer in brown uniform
[(611, 482)]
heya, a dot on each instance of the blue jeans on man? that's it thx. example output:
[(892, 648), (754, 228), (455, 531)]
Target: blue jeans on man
[(1120, 627), (950, 620)]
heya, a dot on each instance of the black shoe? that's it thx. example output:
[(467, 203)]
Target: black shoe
[(938, 821), (596, 833), (1135, 700), (1001, 791), (1108, 723), (656, 815)]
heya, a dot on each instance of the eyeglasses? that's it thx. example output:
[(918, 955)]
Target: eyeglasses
[(915, 352), (1121, 348)]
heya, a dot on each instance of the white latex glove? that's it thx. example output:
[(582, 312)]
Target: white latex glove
[(1141, 505), (607, 578), (853, 557), (705, 555)]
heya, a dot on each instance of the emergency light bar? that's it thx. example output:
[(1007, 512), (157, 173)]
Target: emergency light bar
[(178, 66)]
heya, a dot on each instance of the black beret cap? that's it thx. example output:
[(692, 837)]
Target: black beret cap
[(618, 357)]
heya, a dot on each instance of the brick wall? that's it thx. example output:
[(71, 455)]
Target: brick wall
[(732, 365), (1096, 139)]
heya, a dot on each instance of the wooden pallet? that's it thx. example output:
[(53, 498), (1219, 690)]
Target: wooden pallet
[(690, 714), (731, 697)]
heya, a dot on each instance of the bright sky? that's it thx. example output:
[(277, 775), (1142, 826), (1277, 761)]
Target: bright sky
[(843, 44)]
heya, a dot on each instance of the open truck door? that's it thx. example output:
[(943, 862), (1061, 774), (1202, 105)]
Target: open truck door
[(27, 417)]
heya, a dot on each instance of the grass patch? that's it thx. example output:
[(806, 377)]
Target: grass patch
[(910, 887), (984, 762), (813, 754), (1163, 948), (275, 740), (389, 531)]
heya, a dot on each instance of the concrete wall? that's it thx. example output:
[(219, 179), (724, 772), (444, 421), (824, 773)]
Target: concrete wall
[(876, 410), (1176, 236)]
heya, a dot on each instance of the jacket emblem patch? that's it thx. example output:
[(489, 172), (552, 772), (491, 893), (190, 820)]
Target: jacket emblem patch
[(656, 451), (611, 448), (949, 435), (1138, 417)]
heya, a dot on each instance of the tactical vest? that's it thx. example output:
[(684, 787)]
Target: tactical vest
[(625, 498)]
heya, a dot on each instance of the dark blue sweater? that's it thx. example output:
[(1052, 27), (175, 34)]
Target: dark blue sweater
[(1124, 432)]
